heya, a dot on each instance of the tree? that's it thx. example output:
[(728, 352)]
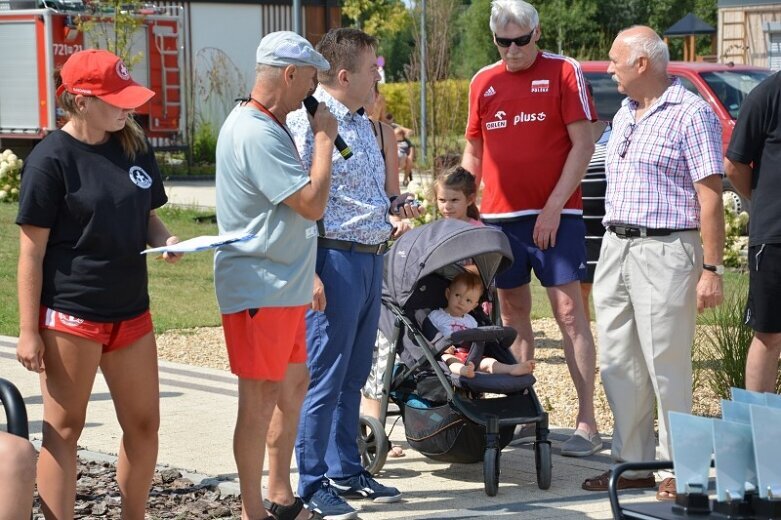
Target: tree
[(397, 48), (114, 25), (474, 47), (379, 18), (570, 27), (389, 21), (443, 110)]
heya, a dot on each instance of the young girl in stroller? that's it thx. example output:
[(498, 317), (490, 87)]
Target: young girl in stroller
[(463, 296)]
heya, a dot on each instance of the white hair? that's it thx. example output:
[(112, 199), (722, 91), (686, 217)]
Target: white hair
[(650, 46), (518, 12)]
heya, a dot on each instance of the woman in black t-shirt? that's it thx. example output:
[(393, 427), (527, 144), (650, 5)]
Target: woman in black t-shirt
[(86, 210)]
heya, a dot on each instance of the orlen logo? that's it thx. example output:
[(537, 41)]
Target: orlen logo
[(523, 117), (501, 123)]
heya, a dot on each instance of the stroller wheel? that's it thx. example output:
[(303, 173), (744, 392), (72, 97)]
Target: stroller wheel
[(491, 471), (542, 461), (373, 444)]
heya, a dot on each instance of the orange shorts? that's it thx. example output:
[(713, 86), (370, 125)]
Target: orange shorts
[(113, 335), (262, 342)]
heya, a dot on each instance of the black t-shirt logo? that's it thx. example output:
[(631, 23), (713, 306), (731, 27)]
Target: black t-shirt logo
[(140, 178)]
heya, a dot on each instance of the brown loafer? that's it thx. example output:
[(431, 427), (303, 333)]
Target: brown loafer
[(666, 490), (600, 482)]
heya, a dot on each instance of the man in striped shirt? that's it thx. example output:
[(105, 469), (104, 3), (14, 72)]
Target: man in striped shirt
[(661, 256), (529, 140)]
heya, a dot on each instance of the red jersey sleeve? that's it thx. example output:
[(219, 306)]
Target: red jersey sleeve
[(576, 103), (474, 128)]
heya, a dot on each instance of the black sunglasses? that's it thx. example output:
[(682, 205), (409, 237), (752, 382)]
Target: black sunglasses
[(624, 146), (520, 41)]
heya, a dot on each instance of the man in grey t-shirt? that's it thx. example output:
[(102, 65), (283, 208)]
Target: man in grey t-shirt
[(265, 285)]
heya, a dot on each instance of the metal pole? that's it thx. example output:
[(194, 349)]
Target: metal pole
[(297, 17), (423, 113)]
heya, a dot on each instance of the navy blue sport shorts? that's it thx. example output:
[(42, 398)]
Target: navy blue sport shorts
[(559, 265)]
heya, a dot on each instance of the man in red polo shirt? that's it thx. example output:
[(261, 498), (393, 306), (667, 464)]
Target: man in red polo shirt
[(529, 140)]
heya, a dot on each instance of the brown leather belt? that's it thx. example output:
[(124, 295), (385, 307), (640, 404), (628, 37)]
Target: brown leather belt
[(346, 245), (641, 232)]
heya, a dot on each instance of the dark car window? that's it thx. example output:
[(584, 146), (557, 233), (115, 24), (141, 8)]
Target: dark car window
[(605, 93), (732, 86), (688, 85)]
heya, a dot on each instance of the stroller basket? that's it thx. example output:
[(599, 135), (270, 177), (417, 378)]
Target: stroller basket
[(441, 433)]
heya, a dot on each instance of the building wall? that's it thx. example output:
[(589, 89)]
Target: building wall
[(220, 49), (742, 37)]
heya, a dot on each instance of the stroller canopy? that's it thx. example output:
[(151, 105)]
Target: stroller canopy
[(438, 247)]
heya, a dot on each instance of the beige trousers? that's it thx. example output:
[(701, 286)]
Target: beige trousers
[(646, 309)]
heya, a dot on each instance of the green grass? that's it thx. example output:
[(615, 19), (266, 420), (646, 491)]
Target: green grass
[(541, 304), (182, 294), (9, 255)]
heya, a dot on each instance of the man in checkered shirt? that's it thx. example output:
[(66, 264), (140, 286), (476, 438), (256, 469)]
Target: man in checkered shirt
[(661, 257)]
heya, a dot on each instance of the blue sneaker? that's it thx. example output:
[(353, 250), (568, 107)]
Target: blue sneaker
[(327, 503), (363, 485)]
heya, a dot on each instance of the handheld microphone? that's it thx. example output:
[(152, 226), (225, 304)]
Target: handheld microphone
[(311, 106)]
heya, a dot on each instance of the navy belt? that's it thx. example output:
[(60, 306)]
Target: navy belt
[(642, 232), (346, 245)]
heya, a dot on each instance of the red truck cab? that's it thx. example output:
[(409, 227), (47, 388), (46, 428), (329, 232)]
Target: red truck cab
[(723, 86)]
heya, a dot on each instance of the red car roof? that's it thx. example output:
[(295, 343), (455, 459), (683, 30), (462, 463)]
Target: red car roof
[(674, 66)]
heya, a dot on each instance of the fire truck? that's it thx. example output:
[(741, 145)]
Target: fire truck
[(36, 38)]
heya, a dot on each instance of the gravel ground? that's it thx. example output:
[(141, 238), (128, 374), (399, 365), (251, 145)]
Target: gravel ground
[(171, 496), (206, 347)]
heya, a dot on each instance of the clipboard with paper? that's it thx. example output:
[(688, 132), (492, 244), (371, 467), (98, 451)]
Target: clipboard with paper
[(202, 243)]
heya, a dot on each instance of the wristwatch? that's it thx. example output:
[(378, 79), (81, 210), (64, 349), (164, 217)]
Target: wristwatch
[(718, 269)]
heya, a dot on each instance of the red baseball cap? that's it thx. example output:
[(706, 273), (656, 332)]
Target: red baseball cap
[(102, 74)]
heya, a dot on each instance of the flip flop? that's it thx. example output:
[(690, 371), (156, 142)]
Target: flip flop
[(666, 490)]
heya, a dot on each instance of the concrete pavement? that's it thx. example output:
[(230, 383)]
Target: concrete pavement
[(198, 408), (199, 194)]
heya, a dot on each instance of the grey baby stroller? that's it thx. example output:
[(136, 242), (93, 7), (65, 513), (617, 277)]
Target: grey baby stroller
[(448, 417)]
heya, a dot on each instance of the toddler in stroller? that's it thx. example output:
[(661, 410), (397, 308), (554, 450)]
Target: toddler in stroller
[(448, 417), (463, 295)]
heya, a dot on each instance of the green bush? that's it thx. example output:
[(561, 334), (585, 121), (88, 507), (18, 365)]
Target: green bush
[(205, 143), (423, 191), (403, 100), (447, 108), (722, 344), (10, 176), (735, 244)]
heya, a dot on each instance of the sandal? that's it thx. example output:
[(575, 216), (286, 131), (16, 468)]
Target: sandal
[(600, 482), (284, 512), (666, 490)]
